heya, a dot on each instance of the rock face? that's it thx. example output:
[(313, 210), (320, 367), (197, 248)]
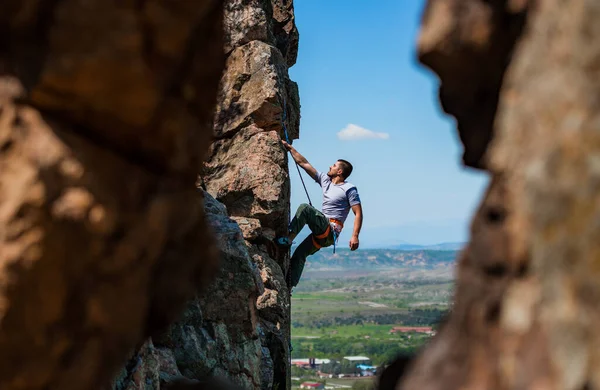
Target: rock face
[(247, 171), (239, 328), (247, 168), (248, 307), (218, 334), (526, 309), (103, 113)]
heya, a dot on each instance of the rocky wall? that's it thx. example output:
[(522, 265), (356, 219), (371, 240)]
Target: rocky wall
[(104, 109), (523, 80), (247, 170), (239, 328)]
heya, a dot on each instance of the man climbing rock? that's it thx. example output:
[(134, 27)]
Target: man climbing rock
[(339, 196)]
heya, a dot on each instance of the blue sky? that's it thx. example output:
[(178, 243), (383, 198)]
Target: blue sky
[(357, 66)]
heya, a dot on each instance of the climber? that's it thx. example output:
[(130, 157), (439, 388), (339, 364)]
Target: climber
[(339, 197)]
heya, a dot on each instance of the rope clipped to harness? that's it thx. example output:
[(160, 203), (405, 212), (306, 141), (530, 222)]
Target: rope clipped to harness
[(336, 234), (287, 139)]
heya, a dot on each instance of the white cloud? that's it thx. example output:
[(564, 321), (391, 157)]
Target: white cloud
[(353, 132)]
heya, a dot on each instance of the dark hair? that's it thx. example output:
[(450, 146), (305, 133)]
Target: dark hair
[(346, 168)]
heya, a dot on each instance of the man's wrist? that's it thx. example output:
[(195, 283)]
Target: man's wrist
[(355, 235)]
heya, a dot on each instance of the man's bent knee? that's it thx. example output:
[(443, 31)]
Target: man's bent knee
[(303, 207)]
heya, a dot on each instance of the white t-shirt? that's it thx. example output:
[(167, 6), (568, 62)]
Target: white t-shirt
[(337, 198)]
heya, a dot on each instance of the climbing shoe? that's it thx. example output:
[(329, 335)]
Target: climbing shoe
[(283, 242)]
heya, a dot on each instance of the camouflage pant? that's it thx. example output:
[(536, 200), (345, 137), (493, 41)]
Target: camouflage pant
[(317, 223)]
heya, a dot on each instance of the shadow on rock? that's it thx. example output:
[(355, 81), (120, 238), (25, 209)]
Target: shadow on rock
[(205, 384)]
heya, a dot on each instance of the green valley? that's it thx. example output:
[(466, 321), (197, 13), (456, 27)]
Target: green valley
[(373, 303)]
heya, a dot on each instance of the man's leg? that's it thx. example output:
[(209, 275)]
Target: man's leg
[(307, 215), (305, 249)]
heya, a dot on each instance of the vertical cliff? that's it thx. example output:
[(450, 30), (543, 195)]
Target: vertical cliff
[(247, 172), (239, 328)]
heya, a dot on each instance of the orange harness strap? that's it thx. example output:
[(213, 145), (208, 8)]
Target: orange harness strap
[(325, 234), (316, 244), (320, 236)]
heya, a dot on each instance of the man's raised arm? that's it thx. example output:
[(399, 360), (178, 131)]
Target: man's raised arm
[(301, 160)]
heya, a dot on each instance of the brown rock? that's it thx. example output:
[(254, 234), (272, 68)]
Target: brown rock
[(269, 21), (79, 239), (246, 21), (121, 84), (253, 89), (239, 329), (554, 176), (272, 307), (247, 172), (251, 228), (270, 271), (238, 282), (525, 313), (252, 184), (218, 333), (469, 44), (102, 233), (285, 30)]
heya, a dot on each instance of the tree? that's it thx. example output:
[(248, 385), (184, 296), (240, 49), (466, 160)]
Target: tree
[(297, 371)]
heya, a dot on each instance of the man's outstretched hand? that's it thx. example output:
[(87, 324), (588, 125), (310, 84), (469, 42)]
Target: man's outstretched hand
[(286, 145), (354, 243)]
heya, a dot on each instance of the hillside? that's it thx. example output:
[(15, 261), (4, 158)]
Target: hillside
[(381, 258), (445, 246)]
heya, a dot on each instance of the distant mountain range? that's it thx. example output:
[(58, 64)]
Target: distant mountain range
[(444, 246), (381, 258)]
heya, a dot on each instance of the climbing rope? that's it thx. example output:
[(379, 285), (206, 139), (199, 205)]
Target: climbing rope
[(287, 139), (289, 273)]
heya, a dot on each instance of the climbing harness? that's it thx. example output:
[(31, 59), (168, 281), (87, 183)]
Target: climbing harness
[(339, 225), (287, 139)]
